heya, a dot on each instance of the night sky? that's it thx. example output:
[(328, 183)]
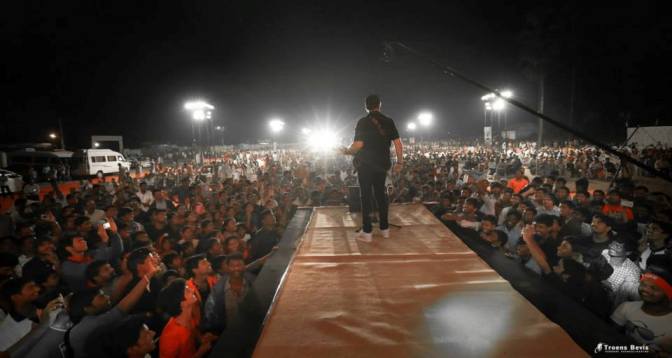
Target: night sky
[(112, 67)]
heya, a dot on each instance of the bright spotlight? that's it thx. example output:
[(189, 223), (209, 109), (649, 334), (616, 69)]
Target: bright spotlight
[(306, 131), (96, 144), (498, 104), (411, 126), (425, 118), (507, 93), (52, 135), (198, 115), (276, 125), (488, 97), (198, 105), (323, 140)]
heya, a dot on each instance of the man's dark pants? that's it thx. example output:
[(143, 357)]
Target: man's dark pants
[(372, 183)]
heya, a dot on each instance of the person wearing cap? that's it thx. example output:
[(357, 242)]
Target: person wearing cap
[(649, 321), (371, 150)]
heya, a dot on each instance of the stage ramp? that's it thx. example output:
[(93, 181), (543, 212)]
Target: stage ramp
[(420, 293)]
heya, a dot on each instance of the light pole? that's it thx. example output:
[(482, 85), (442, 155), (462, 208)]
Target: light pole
[(425, 119), (200, 111), (495, 102), (276, 125)]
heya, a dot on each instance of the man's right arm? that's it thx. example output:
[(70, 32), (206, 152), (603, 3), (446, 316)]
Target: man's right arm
[(399, 149)]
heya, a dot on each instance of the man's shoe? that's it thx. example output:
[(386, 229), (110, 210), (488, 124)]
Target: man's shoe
[(386, 233), (364, 237)]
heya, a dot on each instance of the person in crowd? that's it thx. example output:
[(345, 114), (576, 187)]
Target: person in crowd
[(263, 241), (76, 255), (578, 282), (181, 337), (246, 213), (623, 282), (222, 303), (145, 196), (19, 312), (95, 216), (201, 277), (614, 208), (513, 229), (649, 320), (518, 182), (92, 310), (656, 240), (130, 337), (592, 248), (571, 223)]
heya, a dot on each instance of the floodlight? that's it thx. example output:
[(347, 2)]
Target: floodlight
[(276, 125), (498, 104), (425, 118), (323, 140)]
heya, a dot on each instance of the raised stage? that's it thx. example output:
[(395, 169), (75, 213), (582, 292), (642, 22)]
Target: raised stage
[(420, 293)]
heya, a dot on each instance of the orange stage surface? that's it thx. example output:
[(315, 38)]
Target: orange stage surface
[(421, 293)]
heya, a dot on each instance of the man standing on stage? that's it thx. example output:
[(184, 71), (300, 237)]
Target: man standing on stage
[(371, 149)]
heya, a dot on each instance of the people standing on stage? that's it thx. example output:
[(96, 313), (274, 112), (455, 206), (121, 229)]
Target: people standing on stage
[(371, 151)]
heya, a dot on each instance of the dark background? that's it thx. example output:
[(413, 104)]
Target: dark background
[(111, 67)]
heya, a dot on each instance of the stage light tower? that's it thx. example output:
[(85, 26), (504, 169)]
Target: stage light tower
[(200, 111), (276, 125)]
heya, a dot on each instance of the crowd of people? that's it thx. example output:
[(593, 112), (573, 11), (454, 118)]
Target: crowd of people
[(169, 256)]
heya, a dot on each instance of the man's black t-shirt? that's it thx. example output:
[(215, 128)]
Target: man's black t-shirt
[(377, 132)]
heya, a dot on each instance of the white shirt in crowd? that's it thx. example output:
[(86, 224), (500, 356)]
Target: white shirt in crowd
[(146, 199), (638, 323)]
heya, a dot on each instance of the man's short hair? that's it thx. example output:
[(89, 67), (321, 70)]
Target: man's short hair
[(490, 218), (78, 302), (122, 336), (93, 269), (192, 263), (515, 213), (136, 257), (472, 201), (13, 287), (169, 258), (171, 297), (545, 219), (607, 220), (372, 102), (568, 203), (235, 257)]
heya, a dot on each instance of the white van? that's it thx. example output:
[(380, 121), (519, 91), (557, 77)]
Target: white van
[(98, 162)]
